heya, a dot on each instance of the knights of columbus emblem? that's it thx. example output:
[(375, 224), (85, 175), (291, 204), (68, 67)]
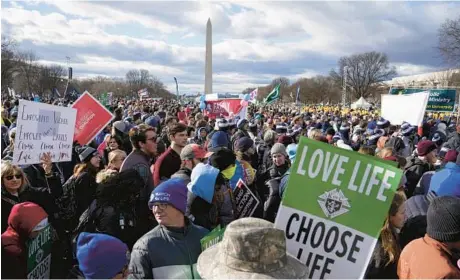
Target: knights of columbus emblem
[(334, 203)]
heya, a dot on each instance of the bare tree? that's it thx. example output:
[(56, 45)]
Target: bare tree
[(29, 69), (449, 41), (51, 77), (365, 72), (248, 90), (9, 61), (133, 78), (144, 78)]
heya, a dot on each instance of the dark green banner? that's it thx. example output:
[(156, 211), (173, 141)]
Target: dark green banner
[(441, 100)]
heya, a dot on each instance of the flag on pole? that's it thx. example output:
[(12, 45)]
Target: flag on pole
[(253, 96), (56, 92), (273, 95), (177, 88), (297, 96)]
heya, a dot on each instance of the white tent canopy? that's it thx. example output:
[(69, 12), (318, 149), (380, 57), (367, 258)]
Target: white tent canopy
[(361, 104)]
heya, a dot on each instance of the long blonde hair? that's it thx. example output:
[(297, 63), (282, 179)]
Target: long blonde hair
[(390, 243), (9, 169), (386, 152)]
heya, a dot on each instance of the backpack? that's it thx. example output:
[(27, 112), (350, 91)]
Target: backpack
[(86, 223), (67, 202)]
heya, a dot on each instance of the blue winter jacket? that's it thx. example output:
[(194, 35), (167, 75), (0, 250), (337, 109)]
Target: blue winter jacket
[(446, 182)]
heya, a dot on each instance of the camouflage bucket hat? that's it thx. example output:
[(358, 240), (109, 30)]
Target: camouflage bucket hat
[(251, 248)]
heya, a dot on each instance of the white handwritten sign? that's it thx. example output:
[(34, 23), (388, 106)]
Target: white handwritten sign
[(43, 128)]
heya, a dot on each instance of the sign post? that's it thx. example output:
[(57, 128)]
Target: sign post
[(334, 207), (92, 118), (43, 128), (39, 255)]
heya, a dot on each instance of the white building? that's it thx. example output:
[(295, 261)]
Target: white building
[(448, 78)]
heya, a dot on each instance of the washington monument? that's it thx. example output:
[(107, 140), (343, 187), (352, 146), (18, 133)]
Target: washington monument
[(208, 59)]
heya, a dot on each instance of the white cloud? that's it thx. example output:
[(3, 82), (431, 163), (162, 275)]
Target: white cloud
[(408, 69), (188, 35), (97, 64), (104, 15), (269, 33)]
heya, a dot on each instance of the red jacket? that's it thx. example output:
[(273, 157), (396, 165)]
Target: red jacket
[(426, 258), (22, 220)]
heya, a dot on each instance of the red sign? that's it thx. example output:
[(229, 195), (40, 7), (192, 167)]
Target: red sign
[(92, 118), (223, 108)]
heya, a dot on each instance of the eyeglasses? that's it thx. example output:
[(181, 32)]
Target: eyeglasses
[(17, 176), (161, 206), (154, 139)]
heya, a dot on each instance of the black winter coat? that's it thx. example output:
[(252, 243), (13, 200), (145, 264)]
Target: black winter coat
[(415, 218), (36, 174), (114, 211), (377, 268), (85, 189), (414, 170), (201, 213), (268, 189)]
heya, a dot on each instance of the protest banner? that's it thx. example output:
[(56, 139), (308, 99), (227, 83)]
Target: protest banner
[(334, 207), (404, 108), (246, 201), (92, 118), (212, 238), (225, 108), (43, 128), (39, 254), (441, 100)]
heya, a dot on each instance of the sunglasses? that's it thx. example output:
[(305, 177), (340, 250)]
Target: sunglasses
[(10, 177)]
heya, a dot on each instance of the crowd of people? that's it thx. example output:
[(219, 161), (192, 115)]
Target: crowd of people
[(138, 199)]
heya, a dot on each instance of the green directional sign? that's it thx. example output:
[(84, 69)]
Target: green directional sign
[(104, 99), (442, 100)]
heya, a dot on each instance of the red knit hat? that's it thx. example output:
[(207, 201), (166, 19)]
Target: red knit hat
[(425, 147), (451, 156)]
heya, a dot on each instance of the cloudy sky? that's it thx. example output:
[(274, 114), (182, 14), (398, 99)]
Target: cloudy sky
[(253, 42)]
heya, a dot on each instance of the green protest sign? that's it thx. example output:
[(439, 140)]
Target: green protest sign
[(334, 207), (212, 238), (39, 254), (104, 99), (442, 100)]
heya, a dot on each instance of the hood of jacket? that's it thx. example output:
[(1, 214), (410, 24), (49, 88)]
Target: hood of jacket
[(184, 174), (202, 181), (121, 189), (198, 132), (24, 217), (414, 160), (239, 174)]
